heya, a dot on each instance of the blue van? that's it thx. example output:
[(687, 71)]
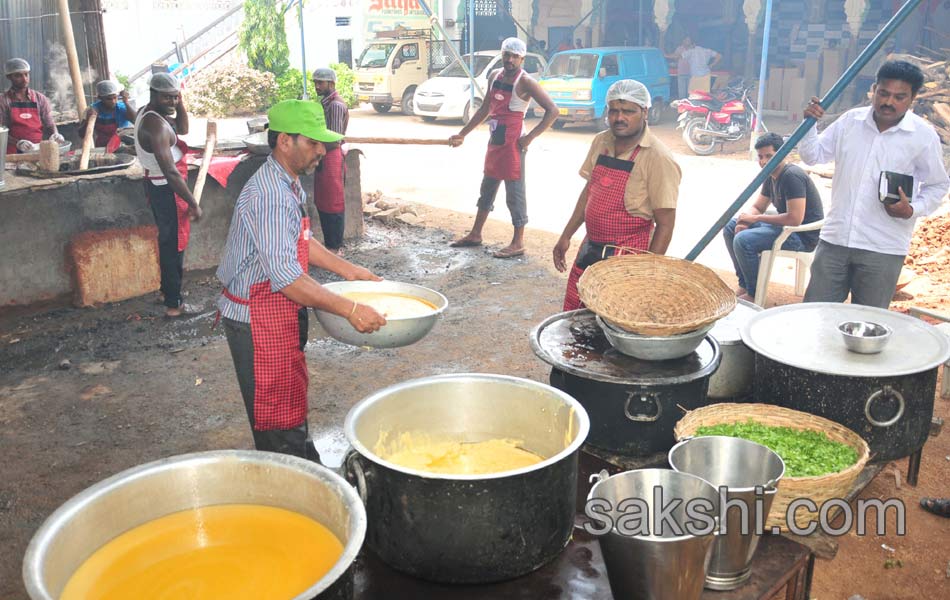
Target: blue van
[(577, 80)]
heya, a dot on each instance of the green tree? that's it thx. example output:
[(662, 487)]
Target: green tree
[(262, 37)]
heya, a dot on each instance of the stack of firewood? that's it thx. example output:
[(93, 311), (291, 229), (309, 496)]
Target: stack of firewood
[(933, 101)]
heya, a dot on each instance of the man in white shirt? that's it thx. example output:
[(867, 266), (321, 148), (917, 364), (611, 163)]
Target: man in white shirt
[(700, 69), (864, 241)]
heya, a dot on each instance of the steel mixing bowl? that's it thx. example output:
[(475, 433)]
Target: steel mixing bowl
[(647, 347), (864, 337), (396, 332)]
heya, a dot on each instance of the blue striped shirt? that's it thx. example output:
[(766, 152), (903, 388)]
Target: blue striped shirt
[(262, 239)]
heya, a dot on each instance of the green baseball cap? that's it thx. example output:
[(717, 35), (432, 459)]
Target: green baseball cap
[(302, 117)]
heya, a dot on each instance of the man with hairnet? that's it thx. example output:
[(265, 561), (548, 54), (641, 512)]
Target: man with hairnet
[(629, 202), (24, 111), (111, 113), (162, 154), (510, 91), (329, 178)]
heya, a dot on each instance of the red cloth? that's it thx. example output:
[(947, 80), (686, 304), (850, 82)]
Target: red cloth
[(25, 123), (328, 182), (221, 167), (503, 157), (103, 133), (280, 367), (606, 217)]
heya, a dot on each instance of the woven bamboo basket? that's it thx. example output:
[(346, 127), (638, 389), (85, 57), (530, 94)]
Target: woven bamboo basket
[(819, 489), (655, 295)]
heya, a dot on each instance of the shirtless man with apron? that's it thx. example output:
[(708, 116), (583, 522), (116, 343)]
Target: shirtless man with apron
[(509, 93)]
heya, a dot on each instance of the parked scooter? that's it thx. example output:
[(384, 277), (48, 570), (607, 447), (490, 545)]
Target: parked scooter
[(708, 120)]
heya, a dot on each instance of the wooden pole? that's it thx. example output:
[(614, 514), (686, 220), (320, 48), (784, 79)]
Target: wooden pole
[(211, 139), (87, 142), (384, 140), (70, 42)]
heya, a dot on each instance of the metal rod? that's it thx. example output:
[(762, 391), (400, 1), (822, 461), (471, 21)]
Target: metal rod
[(303, 50), (807, 124), (471, 54), (763, 72), (640, 25)]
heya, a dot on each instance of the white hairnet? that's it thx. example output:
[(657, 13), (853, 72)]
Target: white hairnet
[(16, 65), (514, 46), (631, 91), (107, 88), (164, 82)]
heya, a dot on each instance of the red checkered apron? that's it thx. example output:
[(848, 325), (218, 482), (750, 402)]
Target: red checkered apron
[(503, 157), (328, 182), (607, 219), (184, 223), (25, 122), (278, 333)]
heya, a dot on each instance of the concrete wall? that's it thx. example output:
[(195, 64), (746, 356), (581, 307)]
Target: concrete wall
[(37, 225)]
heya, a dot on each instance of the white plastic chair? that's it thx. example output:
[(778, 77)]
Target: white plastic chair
[(803, 261), (944, 327)]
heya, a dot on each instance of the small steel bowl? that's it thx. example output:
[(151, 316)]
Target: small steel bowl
[(646, 347), (396, 332), (864, 337)]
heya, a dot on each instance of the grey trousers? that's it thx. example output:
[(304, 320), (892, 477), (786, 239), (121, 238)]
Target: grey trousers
[(515, 196), (294, 441), (870, 277)]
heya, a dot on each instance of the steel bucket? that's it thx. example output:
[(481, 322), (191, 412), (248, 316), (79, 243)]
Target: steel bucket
[(133, 497), (743, 468), (662, 563), (4, 132)]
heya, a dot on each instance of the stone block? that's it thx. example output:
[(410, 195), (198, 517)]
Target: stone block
[(114, 264), (410, 219)]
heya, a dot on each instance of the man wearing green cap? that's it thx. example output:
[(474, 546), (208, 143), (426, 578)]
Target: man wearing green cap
[(267, 288)]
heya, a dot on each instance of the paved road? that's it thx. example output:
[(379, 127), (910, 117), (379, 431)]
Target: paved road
[(449, 178)]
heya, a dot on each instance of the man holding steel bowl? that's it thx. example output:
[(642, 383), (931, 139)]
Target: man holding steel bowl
[(267, 288)]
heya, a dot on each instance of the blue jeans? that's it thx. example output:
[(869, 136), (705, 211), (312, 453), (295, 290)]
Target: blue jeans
[(744, 249)]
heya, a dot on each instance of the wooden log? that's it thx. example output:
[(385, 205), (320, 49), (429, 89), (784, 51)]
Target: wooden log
[(934, 92), (384, 140), (943, 111), (87, 141), (211, 138), (49, 156), (69, 41), (18, 158)]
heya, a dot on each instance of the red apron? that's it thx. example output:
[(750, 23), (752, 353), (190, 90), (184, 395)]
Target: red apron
[(608, 221), (328, 182), (184, 223), (25, 122), (105, 129), (503, 158), (279, 334)]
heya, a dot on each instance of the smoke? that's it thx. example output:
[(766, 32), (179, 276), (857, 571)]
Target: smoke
[(63, 99)]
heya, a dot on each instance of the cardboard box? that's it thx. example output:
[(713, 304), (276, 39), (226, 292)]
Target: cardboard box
[(773, 89), (790, 77)]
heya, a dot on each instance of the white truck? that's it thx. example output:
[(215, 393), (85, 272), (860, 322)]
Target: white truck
[(393, 65)]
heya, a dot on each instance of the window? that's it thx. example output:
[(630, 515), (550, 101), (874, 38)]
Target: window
[(409, 52), (568, 65), (532, 65), (342, 21), (609, 66)]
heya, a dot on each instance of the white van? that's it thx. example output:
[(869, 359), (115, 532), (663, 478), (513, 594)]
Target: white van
[(448, 94)]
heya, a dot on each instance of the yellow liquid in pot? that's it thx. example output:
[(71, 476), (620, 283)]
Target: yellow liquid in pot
[(393, 306), (458, 458), (232, 551)]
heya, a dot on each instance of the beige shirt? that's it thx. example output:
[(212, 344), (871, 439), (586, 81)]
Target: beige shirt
[(655, 180)]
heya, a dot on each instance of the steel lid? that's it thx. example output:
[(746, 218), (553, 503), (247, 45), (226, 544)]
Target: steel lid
[(806, 336), (574, 343), (728, 330)]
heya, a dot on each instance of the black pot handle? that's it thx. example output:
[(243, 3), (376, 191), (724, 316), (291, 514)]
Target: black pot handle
[(354, 473), (883, 393), (643, 397)]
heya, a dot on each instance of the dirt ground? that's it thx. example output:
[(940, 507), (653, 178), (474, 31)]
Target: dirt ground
[(138, 388)]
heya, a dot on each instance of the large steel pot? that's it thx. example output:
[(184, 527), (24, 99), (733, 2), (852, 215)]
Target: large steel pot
[(468, 528), (633, 404), (733, 379), (886, 398), (146, 492)]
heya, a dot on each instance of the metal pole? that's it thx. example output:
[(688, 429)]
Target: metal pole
[(471, 51), (807, 124), (763, 68), (303, 49), (640, 25)]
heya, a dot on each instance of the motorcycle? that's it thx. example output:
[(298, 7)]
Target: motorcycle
[(708, 120)]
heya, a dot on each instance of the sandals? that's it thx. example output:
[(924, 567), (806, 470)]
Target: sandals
[(937, 506)]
